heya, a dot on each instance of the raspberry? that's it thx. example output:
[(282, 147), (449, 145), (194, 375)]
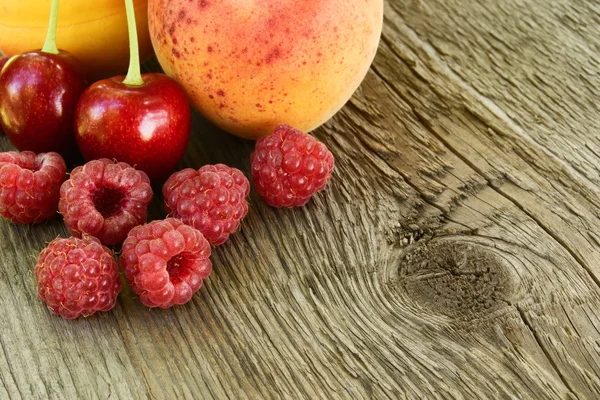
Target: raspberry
[(77, 277), (212, 199), (105, 199), (165, 262), (289, 166), (30, 185)]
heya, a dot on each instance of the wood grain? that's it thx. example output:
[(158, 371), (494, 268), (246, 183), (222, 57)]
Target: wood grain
[(455, 254)]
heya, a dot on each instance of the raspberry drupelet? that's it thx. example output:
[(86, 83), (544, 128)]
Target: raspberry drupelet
[(30, 185), (290, 166), (212, 199), (165, 262), (77, 277), (105, 199)]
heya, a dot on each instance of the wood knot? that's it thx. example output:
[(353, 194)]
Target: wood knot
[(461, 280)]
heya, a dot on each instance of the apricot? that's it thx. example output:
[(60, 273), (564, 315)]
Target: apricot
[(94, 31), (250, 65)]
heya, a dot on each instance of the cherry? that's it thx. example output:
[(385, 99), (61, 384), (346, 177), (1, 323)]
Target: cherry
[(3, 61), (38, 95), (143, 120)]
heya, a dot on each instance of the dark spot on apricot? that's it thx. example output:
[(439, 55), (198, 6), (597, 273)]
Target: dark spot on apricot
[(258, 105), (192, 39), (303, 62), (273, 55), (172, 29), (174, 41), (203, 3), (221, 105), (270, 101), (209, 76), (245, 50), (221, 93), (176, 53), (181, 14), (210, 96), (319, 54), (170, 12), (188, 21), (209, 49)]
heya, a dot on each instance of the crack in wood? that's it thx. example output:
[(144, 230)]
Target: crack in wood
[(543, 348)]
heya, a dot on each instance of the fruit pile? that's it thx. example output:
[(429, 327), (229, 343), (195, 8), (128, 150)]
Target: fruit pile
[(132, 130)]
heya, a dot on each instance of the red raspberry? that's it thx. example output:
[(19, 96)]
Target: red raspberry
[(105, 199), (30, 185), (165, 262), (212, 199), (289, 166), (77, 277)]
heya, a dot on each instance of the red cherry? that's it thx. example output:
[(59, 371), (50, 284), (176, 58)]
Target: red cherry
[(141, 120), (38, 95), (147, 126), (3, 61)]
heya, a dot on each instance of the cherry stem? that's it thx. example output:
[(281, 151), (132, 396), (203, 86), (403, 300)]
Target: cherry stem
[(134, 75), (50, 43)]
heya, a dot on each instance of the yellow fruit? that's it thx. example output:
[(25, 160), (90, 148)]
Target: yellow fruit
[(94, 31), (250, 65)]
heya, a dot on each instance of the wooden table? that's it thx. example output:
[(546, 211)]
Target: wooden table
[(455, 254)]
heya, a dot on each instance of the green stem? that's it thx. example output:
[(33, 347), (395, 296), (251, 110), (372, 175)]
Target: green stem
[(134, 75), (50, 43)]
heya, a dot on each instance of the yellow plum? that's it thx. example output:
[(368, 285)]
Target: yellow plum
[(94, 31)]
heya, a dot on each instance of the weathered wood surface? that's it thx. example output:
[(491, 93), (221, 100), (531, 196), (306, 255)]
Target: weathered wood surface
[(456, 253)]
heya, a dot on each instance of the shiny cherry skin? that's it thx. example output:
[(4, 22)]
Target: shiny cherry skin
[(3, 61), (146, 126), (38, 95)]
